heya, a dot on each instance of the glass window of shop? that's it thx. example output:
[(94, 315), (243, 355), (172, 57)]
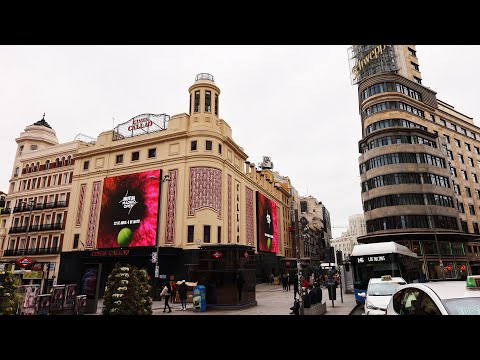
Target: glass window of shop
[(445, 248), (458, 249), (429, 248), (449, 270), (416, 248), (434, 272)]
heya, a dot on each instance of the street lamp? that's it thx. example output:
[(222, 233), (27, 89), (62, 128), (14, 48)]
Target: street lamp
[(157, 247)]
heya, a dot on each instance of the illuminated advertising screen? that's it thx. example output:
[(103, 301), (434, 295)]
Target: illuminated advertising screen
[(129, 214), (267, 224)]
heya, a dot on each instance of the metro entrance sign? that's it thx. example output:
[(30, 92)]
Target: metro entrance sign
[(24, 262)]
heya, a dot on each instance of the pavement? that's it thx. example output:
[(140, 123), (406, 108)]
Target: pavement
[(271, 300)]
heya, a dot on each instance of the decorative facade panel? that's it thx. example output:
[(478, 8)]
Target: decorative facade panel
[(205, 190), (92, 219), (171, 205), (81, 199), (229, 209), (249, 215)]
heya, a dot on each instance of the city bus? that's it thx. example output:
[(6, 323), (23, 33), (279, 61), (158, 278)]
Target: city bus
[(385, 258)]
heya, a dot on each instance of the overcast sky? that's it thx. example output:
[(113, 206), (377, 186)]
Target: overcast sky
[(293, 103)]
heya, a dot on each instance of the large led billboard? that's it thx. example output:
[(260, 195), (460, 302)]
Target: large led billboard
[(129, 214), (267, 224)]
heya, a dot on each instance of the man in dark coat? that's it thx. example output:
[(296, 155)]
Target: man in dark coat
[(182, 293)]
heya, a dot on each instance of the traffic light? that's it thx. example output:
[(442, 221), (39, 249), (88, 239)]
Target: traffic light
[(339, 257)]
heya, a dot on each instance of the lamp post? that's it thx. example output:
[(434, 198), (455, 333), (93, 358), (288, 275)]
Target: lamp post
[(157, 247)]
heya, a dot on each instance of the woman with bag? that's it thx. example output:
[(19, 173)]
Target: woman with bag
[(166, 291)]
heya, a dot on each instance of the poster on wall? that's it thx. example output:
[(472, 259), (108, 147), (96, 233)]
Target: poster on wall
[(89, 281), (129, 212), (267, 224), (43, 304), (58, 295), (70, 294), (80, 304)]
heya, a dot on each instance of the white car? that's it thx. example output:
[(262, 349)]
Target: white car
[(379, 292), (437, 298)]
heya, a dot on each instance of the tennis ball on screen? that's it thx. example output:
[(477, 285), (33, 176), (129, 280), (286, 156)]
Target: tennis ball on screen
[(269, 244), (124, 237)]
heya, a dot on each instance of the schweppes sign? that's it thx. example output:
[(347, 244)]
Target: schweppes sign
[(372, 55)]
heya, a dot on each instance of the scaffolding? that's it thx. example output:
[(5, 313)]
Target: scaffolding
[(367, 60)]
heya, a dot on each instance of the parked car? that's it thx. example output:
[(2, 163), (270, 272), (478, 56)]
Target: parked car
[(379, 292), (437, 298)]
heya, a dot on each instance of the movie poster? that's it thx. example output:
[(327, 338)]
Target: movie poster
[(80, 304), (43, 304), (58, 295), (70, 294), (89, 280), (267, 224), (129, 213)]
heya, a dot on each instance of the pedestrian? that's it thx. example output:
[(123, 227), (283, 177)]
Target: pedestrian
[(285, 282), (182, 293), (166, 292), (174, 292), (288, 282), (295, 286), (295, 308)]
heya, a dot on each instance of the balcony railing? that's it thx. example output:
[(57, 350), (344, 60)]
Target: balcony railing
[(39, 206), (43, 227), (39, 251), (5, 211)]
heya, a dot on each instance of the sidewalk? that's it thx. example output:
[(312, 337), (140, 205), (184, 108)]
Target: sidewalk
[(271, 300)]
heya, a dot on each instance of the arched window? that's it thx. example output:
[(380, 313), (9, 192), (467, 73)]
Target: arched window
[(69, 160), (16, 171), (27, 169), (57, 162), (63, 161), (47, 164), (32, 167), (37, 166)]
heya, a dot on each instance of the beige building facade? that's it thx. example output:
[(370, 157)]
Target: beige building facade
[(419, 163), (207, 188), (348, 239), (36, 207)]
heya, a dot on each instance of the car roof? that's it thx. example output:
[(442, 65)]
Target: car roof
[(394, 280), (449, 289)]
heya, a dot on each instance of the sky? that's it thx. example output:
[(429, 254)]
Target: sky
[(295, 104)]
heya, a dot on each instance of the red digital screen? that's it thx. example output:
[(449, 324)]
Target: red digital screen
[(129, 214), (267, 224)]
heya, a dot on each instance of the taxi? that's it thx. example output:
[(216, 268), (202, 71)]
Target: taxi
[(379, 292), (437, 298)]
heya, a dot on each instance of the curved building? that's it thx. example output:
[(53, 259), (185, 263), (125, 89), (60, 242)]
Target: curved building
[(409, 175)]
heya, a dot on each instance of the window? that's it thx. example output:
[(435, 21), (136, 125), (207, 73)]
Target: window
[(44, 181), (135, 155), (412, 52), (477, 150), (464, 226), (219, 235), (443, 122), (219, 148), (152, 153), (303, 206), (460, 158), (415, 66), (427, 306), (208, 145), (33, 243), (450, 154), (16, 171), (474, 135), (206, 233), (55, 242), (463, 131), (190, 232), (460, 207), (190, 104), (20, 150), (464, 175), (208, 101), (65, 178), (196, 107), (447, 138), (418, 80), (193, 145), (76, 237), (468, 192), (54, 179), (216, 104), (119, 159), (475, 228), (432, 117), (472, 209), (470, 161), (34, 183), (474, 177), (86, 164), (454, 127), (467, 146), (457, 142), (477, 192)]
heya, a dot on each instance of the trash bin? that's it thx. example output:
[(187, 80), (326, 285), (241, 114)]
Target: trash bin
[(199, 299), (332, 291)]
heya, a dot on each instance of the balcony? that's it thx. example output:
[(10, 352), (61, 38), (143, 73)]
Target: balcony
[(5, 211), (38, 206), (39, 251), (44, 227)]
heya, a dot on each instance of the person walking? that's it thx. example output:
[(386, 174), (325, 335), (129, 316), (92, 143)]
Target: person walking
[(166, 291), (295, 286), (174, 293), (288, 282), (182, 293), (285, 282)]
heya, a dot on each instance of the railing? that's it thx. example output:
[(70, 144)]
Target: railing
[(5, 211), (204, 76), (39, 251), (43, 227), (39, 206)]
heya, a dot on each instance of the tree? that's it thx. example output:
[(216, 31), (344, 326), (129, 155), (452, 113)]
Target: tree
[(126, 292), (9, 295)]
